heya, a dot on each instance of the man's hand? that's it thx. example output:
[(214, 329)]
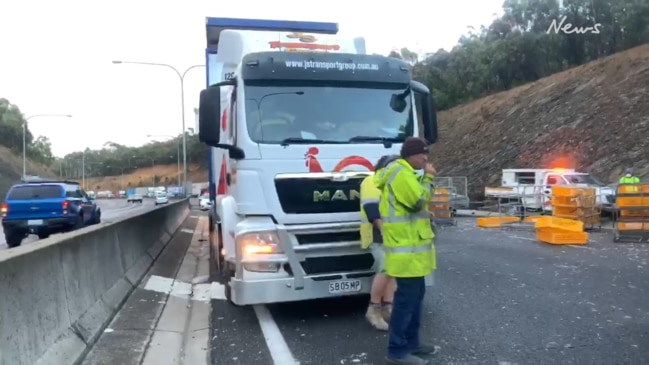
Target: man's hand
[(429, 169)]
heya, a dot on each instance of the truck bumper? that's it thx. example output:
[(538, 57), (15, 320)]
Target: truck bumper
[(282, 290)]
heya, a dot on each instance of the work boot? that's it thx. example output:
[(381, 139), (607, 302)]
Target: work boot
[(373, 315), (386, 312), (408, 360), (425, 349)]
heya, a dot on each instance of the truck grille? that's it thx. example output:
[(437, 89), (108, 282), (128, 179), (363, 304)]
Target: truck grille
[(334, 264), (318, 195)]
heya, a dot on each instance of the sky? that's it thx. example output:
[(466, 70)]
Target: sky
[(56, 56)]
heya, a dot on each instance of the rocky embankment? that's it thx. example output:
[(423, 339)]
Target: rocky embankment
[(594, 118)]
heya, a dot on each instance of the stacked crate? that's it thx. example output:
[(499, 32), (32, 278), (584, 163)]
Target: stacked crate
[(560, 231), (576, 203), (440, 207), (633, 222)]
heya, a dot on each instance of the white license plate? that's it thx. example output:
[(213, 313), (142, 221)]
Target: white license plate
[(35, 222), (344, 286)]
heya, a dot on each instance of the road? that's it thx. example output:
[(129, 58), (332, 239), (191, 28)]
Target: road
[(500, 297), (111, 210)]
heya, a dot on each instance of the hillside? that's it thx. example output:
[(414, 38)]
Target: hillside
[(594, 117), (164, 175), (11, 168)]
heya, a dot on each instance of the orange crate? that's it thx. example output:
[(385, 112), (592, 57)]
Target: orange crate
[(639, 201), (633, 189), (576, 211), (632, 226), (634, 213), (495, 222), (571, 191), (558, 223), (573, 201), (559, 237)]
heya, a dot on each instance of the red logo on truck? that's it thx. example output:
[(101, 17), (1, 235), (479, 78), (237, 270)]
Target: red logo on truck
[(313, 164)]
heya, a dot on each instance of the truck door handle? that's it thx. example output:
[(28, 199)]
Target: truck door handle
[(547, 191)]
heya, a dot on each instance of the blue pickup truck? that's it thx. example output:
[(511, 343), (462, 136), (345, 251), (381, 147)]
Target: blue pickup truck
[(45, 207)]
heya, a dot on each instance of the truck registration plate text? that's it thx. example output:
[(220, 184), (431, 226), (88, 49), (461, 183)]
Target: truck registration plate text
[(344, 286), (35, 222)]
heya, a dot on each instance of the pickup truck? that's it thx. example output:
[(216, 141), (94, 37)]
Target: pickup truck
[(134, 198), (46, 207)]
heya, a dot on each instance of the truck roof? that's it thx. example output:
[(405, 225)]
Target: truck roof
[(214, 26)]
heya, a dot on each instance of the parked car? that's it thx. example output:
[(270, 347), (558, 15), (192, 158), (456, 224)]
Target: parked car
[(161, 198), (205, 203), (134, 198), (43, 207)]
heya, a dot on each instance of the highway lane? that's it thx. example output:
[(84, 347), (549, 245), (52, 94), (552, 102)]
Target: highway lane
[(500, 297), (111, 210)]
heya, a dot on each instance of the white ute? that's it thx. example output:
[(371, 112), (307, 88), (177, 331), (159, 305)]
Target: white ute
[(297, 117), (533, 187)]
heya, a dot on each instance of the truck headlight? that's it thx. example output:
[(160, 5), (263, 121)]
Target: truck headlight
[(259, 243)]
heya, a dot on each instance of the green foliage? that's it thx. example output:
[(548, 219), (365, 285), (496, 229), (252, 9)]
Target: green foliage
[(11, 135), (521, 46), (115, 159)]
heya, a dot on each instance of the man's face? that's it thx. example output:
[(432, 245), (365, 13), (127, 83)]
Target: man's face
[(418, 161)]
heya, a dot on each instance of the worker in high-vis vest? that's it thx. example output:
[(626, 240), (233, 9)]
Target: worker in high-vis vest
[(629, 178), (383, 286), (410, 254)]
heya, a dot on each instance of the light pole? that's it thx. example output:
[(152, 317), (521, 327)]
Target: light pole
[(178, 149), (25, 136), (181, 76)]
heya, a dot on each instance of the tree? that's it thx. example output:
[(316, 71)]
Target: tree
[(520, 46)]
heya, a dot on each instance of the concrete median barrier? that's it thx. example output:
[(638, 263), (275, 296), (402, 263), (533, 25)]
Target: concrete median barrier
[(57, 296)]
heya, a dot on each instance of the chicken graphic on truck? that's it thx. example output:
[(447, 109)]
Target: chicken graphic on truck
[(296, 117)]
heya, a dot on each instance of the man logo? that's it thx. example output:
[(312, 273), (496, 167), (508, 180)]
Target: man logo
[(305, 38), (338, 195)]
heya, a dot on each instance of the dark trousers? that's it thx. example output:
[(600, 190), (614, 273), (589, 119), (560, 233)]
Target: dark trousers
[(406, 316)]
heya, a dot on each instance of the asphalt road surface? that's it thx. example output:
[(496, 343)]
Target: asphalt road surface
[(111, 210), (500, 297)]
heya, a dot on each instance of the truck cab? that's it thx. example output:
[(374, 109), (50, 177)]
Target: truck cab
[(297, 117)]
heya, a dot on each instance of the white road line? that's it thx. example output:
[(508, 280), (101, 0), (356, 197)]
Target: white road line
[(276, 343), (186, 230), (578, 246)]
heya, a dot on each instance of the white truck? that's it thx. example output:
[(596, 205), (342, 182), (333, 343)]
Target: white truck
[(533, 187), (297, 116)]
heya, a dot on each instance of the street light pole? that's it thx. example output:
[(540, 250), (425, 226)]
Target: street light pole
[(181, 75), (25, 136)]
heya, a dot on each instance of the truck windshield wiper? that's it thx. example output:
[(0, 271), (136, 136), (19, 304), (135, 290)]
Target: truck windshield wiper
[(387, 141), (300, 140)]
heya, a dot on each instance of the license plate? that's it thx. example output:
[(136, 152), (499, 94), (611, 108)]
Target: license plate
[(344, 286), (35, 222)]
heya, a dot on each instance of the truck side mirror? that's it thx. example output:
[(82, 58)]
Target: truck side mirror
[(209, 119), (209, 115), (424, 100)]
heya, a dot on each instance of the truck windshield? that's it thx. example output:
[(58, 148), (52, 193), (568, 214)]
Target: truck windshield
[(274, 113), (583, 179)]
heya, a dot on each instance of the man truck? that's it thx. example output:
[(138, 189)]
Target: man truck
[(296, 117)]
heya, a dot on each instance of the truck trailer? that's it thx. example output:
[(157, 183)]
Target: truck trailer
[(296, 116)]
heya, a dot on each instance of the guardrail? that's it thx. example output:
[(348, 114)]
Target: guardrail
[(57, 295)]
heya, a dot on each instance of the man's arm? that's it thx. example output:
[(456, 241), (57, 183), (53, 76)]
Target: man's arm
[(373, 214), (410, 191)]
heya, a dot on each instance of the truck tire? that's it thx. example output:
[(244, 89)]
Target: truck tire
[(14, 240), (43, 235)]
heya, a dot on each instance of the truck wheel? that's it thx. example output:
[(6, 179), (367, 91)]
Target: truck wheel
[(43, 235), (14, 240), (79, 223)]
